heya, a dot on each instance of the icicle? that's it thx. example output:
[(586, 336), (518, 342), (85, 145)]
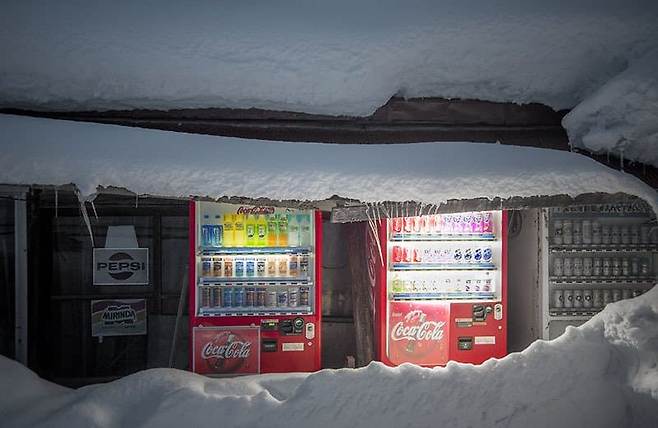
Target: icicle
[(93, 207), (56, 202), (136, 200), (375, 235), (621, 159), (85, 217)]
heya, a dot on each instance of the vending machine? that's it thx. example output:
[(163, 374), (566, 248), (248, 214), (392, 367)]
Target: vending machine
[(594, 255), (441, 289), (255, 289)]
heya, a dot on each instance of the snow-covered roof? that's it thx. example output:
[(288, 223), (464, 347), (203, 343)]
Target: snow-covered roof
[(602, 374), (45, 151)]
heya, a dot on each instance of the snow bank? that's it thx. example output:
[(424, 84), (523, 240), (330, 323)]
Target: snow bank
[(622, 116), (602, 374), (338, 57), (164, 163)]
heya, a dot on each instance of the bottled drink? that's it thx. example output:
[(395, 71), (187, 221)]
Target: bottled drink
[(250, 231), (261, 231), (250, 297), (282, 229), (217, 266), (260, 266), (303, 296), (271, 266), (305, 230), (218, 231), (250, 267), (227, 297), (228, 267), (239, 230), (270, 297), (238, 297), (487, 223), (229, 226), (206, 266), (282, 266), (215, 297), (303, 265), (293, 231), (293, 297), (239, 267), (282, 297), (260, 296), (272, 231), (205, 297), (293, 265), (206, 232)]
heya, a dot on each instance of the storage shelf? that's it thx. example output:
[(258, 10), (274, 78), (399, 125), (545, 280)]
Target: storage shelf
[(254, 311), (603, 248), (571, 280), (207, 280), (444, 296), (253, 250), (438, 237), (443, 266)]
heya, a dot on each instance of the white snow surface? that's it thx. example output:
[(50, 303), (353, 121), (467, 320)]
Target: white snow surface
[(602, 374), (336, 57), (45, 151), (622, 116)]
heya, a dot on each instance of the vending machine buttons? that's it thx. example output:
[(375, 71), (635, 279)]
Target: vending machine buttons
[(464, 343), (298, 325), (269, 325), (310, 331)]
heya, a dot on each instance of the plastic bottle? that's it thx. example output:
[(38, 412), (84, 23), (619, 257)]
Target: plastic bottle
[(282, 237), (218, 231), (272, 231), (229, 228), (293, 231), (261, 231), (239, 230), (250, 231), (304, 230), (206, 231)]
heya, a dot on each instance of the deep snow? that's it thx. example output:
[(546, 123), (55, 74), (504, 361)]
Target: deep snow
[(45, 151), (602, 374)]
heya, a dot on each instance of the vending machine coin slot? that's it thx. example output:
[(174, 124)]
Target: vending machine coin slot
[(498, 312), (310, 331), (268, 345), (479, 313), (464, 343), (286, 327)]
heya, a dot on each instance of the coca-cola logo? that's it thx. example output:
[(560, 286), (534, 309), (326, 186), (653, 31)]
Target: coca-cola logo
[(255, 210), (416, 327), (226, 352)]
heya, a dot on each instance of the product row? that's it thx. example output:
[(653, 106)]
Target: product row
[(443, 285), (447, 224), (256, 230), (253, 297), (577, 232), (266, 266), (409, 254), (601, 266), (590, 298)]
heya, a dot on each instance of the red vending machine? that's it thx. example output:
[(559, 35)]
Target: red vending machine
[(254, 289), (441, 289)]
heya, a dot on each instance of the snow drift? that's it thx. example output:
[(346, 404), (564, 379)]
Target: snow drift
[(602, 374)]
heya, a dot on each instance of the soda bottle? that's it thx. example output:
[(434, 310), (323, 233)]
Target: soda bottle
[(239, 230), (206, 232), (293, 231), (229, 227), (305, 230), (250, 231), (261, 231), (272, 231), (282, 229), (218, 234)]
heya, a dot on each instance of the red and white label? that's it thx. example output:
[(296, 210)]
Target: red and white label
[(226, 350), (418, 332)]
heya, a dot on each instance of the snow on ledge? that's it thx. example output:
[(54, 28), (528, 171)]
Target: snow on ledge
[(45, 151)]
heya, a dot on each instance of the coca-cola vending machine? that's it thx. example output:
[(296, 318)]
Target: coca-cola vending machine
[(254, 289), (440, 288)]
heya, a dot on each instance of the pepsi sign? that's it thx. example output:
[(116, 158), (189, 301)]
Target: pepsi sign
[(121, 266)]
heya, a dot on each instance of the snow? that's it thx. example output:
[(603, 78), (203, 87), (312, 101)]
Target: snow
[(45, 151), (602, 374), (338, 57), (622, 116)]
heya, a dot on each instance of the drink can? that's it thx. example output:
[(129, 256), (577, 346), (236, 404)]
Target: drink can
[(204, 297), (303, 296), (567, 266), (293, 297), (457, 256), (407, 254), (567, 232), (577, 299), (396, 254), (303, 265), (417, 224), (227, 297), (282, 297), (271, 266), (408, 225), (587, 298), (635, 234), (218, 266), (282, 266), (467, 222), (228, 267), (596, 232), (616, 295), (249, 296), (215, 297), (597, 267), (645, 231), (577, 232), (477, 223), (578, 266), (396, 224), (568, 298), (607, 297), (615, 235), (487, 223), (468, 255), (558, 299), (206, 266), (260, 296), (607, 267), (238, 297), (487, 255), (625, 233), (417, 257), (477, 255), (588, 266), (558, 266), (616, 266), (270, 298), (625, 267), (293, 265), (587, 231), (261, 263), (557, 232), (626, 293), (250, 267), (597, 298), (635, 266), (239, 267), (606, 236)]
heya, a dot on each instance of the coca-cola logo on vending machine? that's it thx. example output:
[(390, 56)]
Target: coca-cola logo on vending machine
[(418, 332), (226, 350)]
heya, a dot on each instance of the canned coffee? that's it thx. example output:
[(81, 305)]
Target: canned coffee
[(204, 297), (558, 299), (596, 232), (558, 266), (567, 232), (606, 237), (615, 235), (293, 296), (587, 298), (625, 234), (588, 266), (250, 297), (568, 298), (303, 296), (577, 299), (217, 266), (282, 297), (557, 232), (626, 294), (270, 298), (597, 267), (228, 267), (567, 266), (578, 266), (577, 232), (587, 231), (607, 297), (616, 295), (597, 298), (215, 297)]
